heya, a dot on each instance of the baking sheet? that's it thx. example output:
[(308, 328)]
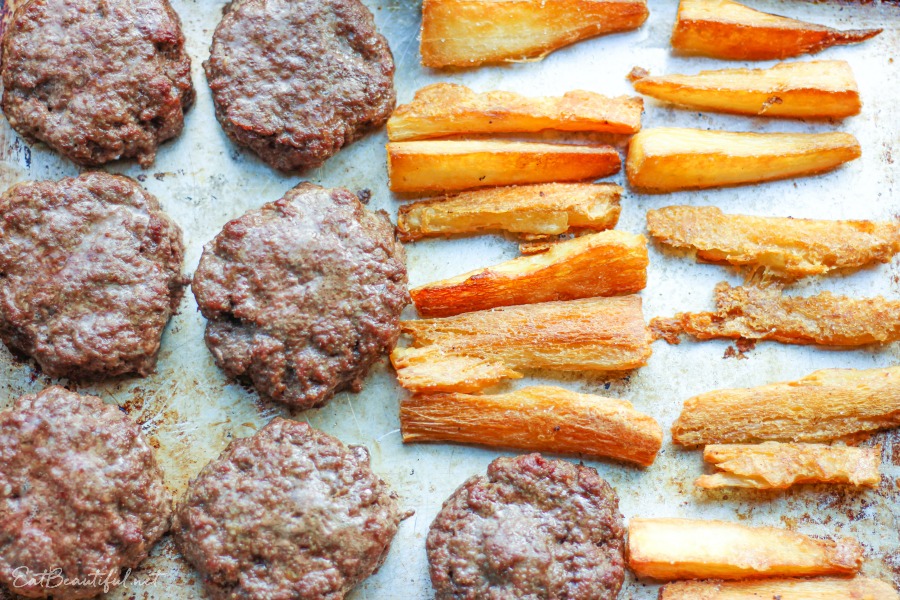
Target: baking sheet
[(191, 411)]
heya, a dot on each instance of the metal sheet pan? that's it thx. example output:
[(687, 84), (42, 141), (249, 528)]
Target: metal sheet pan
[(191, 411)]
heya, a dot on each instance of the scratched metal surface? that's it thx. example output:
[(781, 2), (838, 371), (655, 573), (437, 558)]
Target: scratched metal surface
[(191, 411)]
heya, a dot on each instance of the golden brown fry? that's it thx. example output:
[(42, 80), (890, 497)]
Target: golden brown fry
[(540, 419), (729, 30), (820, 588), (443, 109), (688, 549), (766, 314), (823, 406), (469, 33), (815, 89), (787, 248), (608, 263), (594, 334), (668, 159), (777, 466), (431, 166), (544, 209), (428, 372)]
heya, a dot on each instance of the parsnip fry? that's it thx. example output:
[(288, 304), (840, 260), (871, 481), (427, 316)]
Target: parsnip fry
[(541, 419), (420, 370), (544, 209), (801, 90), (608, 263), (668, 159), (687, 549), (594, 334), (729, 30), (468, 33), (765, 314), (787, 248), (822, 406), (777, 466), (820, 588), (443, 109), (431, 166)]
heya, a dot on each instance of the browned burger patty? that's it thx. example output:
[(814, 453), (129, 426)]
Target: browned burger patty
[(90, 272), (296, 80), (96, 80), (303, 295), (82, 496), (287, 514), (534, 528)]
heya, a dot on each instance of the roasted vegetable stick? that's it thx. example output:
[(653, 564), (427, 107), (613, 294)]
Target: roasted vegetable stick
[(608, 263), (729, 30), (777, 466), (544, 209), (541, 419), (431, 166), (822, 406), (765, 314), (443, 109), (468, 33), (820, 588), (419, 369), (802, 90), (786, 248), (668, 159), (687, 549), (594, 334)]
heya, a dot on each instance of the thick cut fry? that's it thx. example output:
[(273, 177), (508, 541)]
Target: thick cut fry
[(821, 588), (595, 334), (443, 109), (420, 370), (608, 263), (545, 209), (787, 248), (669, 549), (431, 166), (540, 419), (668, 159), (823, 406), (777, 466), (469, 33), (729, 30), (802, 90), (765, 314)]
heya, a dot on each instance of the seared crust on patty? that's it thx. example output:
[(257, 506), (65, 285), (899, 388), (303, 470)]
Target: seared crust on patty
[(90, 272), (80, 491), (534, 528), (296, 80), (288, 513), (96, 80), (303, 294)]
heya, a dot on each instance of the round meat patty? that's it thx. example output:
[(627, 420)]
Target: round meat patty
[(96, 80), (288, 513), (82, 496), (90, 272), (303, 295), (534, 528), (296, 80)]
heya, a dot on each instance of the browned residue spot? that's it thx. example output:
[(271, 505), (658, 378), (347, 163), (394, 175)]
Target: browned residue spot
[(637, 73)]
